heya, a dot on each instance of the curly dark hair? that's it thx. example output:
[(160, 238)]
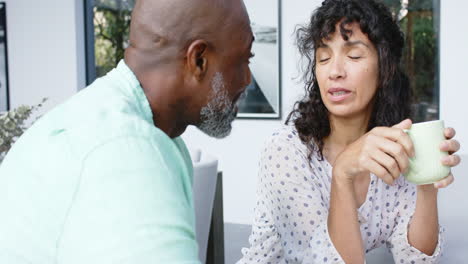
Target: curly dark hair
[(391, 103)]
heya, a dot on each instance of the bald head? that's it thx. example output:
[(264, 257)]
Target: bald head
[(179, 48), (161, 30)]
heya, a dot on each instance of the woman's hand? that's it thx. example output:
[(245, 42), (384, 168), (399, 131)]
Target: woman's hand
[(451, 146), (383, 151)]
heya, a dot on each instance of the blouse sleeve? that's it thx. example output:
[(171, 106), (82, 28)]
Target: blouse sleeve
[(397, 242), (291, 213)]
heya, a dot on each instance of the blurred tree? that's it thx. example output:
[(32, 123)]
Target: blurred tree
[(111, 29), (420, 56), (394, 5)]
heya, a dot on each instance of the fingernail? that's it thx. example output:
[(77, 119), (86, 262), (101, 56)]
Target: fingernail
[(437, 185)]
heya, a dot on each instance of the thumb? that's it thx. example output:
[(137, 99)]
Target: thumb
[(405, 124)]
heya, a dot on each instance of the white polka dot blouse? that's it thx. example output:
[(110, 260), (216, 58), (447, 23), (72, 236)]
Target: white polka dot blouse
[(293, 196)]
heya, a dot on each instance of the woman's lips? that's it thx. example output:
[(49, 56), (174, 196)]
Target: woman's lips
[(338, 94)]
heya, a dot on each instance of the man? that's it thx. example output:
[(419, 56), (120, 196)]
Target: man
[(104, 177)]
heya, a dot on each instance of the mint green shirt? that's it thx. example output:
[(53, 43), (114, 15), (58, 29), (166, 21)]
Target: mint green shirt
[(94, 181)]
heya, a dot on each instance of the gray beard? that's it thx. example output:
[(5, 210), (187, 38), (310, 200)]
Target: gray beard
[(216, 117)]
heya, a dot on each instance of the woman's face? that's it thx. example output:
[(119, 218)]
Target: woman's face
[(347, 73)]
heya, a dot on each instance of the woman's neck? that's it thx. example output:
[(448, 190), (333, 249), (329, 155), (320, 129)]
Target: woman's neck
[(343, 131)]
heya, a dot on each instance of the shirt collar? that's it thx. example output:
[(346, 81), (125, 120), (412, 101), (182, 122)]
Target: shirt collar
[(134, 87)]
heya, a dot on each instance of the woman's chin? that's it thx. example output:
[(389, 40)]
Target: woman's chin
[(343, 112)]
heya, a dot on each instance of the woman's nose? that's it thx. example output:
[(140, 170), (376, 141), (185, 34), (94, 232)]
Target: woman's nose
[(337, 69)]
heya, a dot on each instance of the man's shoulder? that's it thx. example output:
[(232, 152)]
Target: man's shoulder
[(97, 115), (120, 129)]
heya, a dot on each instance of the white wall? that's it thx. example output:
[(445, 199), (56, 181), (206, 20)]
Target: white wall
[(45, 50), (454, 110), (453, 65)]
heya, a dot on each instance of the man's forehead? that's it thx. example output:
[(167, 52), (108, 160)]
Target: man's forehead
[(241, 33)]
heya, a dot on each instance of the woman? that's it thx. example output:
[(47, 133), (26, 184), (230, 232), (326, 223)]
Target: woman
[(330, 189)]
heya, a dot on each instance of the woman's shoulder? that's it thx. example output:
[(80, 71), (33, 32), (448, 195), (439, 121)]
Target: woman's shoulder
[(286, 138), (287, 156), (284, 135)]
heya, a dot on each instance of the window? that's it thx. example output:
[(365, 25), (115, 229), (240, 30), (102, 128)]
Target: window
[(107, 31), (107, 26), (419, 20), (4, 102)]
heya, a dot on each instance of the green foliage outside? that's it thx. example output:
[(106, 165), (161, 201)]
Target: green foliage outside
[(13, 125), (420, 59), (111, 29)]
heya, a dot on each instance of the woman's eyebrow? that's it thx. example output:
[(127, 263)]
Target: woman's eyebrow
[(355, 43), (322, 46)]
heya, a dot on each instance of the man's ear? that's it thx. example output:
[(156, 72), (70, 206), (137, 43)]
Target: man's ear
[(197, 59)]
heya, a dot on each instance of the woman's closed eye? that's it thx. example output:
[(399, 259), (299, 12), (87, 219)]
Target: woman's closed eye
[(356, 57), (355, 54), (323, 59)]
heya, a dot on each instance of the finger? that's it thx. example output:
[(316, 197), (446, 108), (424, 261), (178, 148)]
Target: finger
[(396, 151), (397, 135), (451, 160), (379, 171), (386, 161), (451, 145), (405, 124), (449, 132), (445, 181)]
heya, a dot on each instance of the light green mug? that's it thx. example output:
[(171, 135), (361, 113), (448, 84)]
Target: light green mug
[(426, 167)]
